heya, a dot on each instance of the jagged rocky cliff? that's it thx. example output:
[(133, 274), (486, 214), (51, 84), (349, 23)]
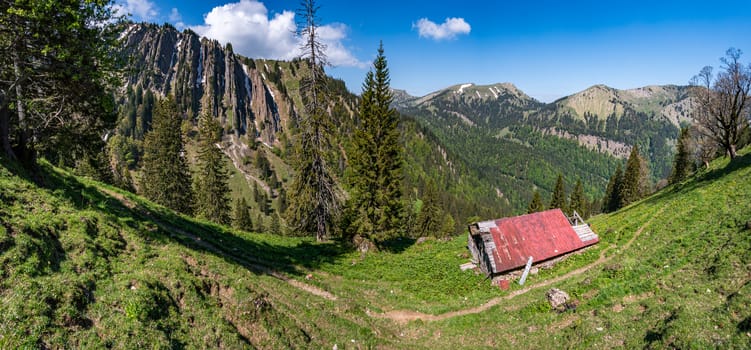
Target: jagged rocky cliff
[(205, 77), (257, 101)]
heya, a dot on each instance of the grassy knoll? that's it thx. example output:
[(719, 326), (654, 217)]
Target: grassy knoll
[(86, 265)]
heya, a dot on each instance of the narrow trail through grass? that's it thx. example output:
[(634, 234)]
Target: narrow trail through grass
[(249, 263), (400, 316), (404, 316), (234, 151)]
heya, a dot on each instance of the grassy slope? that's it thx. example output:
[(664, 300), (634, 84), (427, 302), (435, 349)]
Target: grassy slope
[(81, 268), (685, 282)]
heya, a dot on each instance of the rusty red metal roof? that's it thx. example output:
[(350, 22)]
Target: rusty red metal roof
[(544, 235)]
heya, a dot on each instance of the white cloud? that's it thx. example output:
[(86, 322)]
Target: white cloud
[(449, 29), (332, 35), (141, 10), (177, 19), (246, 24)]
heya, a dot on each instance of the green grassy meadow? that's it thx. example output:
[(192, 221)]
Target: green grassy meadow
[(85, 265)]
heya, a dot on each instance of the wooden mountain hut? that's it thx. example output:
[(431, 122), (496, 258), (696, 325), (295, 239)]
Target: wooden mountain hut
[(502, 245)]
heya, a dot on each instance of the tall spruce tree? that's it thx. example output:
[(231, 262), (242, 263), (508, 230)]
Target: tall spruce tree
[(210, 181), (241, 215), (376, 165), (645, 182), (612, 200), (431, 217), (683, 163), (536, 204), (282, 200), (631, 188), (166, 177), (577, 201), (275, 227), (263, 204), (315, 198), (256, 193), (259, 223), (558, 199)]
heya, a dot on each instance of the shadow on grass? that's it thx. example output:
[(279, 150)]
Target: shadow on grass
[(740, 162), (397, 245), (745, 325), (161, 225), (655, 336), (255, 255)]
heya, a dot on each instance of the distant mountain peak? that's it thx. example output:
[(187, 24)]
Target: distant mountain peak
[(401, 97), (662, 101), (502, 92), (461, 88), (484, 92)]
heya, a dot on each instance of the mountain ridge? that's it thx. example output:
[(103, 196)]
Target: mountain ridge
[(675, 110), (600, 118), (205, 76)]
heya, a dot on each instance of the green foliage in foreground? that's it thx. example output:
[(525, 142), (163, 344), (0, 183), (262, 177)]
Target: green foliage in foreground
[(683, 163), (558, 199), (241, 218), (82, 269)]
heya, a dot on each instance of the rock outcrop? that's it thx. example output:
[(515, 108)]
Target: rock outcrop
[(205, 77), (557, 298)]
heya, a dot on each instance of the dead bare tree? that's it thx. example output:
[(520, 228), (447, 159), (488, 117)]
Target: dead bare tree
[(722, 102), (315, 198), (312, 49)]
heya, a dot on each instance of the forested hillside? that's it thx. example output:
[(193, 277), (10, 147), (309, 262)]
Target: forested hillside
[(519, 145), (258, 104), (497, 144), (612, 121)]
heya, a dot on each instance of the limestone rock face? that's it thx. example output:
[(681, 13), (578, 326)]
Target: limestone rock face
[(204, 77)]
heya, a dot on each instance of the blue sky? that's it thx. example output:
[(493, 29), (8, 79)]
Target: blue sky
[(548, 49)]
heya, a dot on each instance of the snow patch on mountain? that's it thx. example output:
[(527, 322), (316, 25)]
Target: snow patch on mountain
[(462, 87), (247, 82), (199, 77), (492, 91)]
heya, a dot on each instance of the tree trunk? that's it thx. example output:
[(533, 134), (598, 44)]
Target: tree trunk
[(732, 151), (5, 131), (25, 152), (320, 225)]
